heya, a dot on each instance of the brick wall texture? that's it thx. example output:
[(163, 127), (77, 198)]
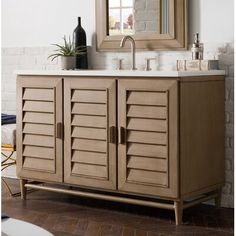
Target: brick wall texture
[(36, 59), (145, 16)]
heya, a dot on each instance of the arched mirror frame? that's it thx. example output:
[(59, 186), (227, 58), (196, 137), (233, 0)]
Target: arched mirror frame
[(176, 39)]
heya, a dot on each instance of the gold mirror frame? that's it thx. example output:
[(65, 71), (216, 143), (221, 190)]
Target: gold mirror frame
[(176, 39)]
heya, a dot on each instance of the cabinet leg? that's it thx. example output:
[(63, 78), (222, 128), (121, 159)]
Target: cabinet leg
[(23, 189), (218, 199), (178, 212)]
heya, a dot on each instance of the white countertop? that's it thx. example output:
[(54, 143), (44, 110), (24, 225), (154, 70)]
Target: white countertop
[(119, 73)]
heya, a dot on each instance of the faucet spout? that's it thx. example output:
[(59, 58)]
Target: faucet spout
[(133, 49)]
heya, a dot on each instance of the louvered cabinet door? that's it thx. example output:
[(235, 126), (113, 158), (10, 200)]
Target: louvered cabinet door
[(147, 151), (90, 126), (39, 116)]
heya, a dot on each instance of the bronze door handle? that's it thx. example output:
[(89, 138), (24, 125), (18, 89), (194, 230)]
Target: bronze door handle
[(122, 135), (112, 134), (59, 130)]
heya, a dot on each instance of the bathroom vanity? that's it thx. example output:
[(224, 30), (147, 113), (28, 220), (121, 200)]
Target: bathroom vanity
[(151, 138)]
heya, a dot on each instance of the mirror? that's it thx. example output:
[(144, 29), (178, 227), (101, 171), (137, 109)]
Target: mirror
[(154, 24), (129, 17)]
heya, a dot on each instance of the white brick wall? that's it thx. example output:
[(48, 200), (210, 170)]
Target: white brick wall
[(36, 58), (227, 62), (145, 16), (18, 59)]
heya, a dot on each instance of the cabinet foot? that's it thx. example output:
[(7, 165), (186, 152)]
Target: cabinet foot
[(178, 212), (23, 189), (218, 199)]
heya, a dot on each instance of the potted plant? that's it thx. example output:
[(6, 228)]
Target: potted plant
[(68, 53)]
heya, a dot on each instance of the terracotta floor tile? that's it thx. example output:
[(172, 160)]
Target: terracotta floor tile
[(140, 232), (127, 231), (93, 229), (81, 227), (65, 224)]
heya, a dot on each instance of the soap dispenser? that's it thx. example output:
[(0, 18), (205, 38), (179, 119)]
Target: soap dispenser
[(197, 48)]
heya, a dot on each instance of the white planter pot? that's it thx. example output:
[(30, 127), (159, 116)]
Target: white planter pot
[(68, 63)]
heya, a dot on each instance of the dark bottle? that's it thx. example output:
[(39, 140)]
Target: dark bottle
[(80, 41)]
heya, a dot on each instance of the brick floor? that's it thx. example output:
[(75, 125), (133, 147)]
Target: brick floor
[(65, 215)]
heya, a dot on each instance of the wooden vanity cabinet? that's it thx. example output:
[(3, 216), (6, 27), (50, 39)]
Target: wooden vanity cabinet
[(39, 123), (160, 139), (148, 129), (90, 126)]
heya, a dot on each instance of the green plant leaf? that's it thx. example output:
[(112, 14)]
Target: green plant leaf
[(68, 48), (54, 56), (59, 46)]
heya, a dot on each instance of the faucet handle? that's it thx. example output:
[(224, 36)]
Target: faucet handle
[(147, 68), (118, 63)]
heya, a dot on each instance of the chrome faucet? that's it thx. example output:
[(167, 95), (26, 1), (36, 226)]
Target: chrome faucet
[(132, 42)]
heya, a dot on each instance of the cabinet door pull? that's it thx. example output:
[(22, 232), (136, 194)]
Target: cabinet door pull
[(121, 135), (59, 130), (112, 134)]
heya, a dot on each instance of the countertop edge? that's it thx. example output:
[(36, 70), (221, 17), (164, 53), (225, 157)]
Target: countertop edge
[(119, 73)]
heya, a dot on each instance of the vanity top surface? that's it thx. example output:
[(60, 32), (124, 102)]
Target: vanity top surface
[(120, 73)]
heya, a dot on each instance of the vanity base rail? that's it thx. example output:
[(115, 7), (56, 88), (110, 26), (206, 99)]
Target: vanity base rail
[(176, 205)]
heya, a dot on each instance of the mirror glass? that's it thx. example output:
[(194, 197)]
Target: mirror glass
[(129, 17)]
